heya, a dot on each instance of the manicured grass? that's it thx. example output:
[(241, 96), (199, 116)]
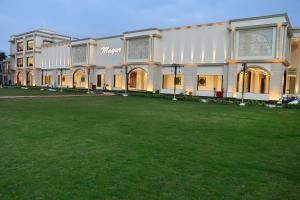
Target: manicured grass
[(143, 148), (31, 92), (23, 92)]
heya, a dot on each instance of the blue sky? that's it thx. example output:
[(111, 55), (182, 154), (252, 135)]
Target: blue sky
[(97, 18)]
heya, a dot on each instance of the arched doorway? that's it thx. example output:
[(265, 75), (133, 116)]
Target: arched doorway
[(79, 79), (257, 80), (19, 78), (29, 79), (137, 79)]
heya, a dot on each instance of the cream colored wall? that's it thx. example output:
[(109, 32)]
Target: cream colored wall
[(57, 56), (190, 79), (206, 44)]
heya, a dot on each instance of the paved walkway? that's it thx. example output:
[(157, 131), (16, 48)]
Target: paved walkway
[(56, 96)]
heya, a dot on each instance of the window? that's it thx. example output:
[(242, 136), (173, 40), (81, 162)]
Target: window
[(19, 62), (58, 79), (79, 54), (47, 80), (138, 48), (209, 83), (30, 61), (118, 81), (256, 42), (29, 44), (168, 81), (20, 46), (100, 80)]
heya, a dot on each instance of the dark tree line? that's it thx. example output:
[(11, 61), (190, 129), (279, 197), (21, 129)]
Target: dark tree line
[(2, 55)]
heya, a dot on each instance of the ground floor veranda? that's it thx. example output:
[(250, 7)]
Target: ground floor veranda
[(259, 81)]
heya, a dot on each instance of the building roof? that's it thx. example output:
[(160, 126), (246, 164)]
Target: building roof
[(264, 17), (41, 31)]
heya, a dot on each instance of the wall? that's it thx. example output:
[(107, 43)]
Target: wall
[(113, 56), (204, 44)]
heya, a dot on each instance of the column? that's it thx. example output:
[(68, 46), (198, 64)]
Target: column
[(277, 72), (297, 87), (190, 79)]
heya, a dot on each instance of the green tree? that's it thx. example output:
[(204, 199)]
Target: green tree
[(2, 55)]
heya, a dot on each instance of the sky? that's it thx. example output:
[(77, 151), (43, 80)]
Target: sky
[(99, 18)]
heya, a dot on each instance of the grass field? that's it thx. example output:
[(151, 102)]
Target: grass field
[(30, 92), (143, 148)]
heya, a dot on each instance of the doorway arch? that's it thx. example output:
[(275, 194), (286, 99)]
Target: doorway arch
[(79, 79), (29, 79), (20, 78), (257, 80), (137, 79)]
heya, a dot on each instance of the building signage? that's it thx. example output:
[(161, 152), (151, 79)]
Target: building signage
[(108, 50)]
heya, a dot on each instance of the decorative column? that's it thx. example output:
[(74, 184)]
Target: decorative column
[(298, 71)]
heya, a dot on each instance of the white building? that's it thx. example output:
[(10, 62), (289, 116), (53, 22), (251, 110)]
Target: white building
[(210, 56)]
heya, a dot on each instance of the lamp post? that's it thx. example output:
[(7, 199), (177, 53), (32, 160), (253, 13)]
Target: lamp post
[(243, 85), (42, 77), (88, 81), (175, 80), (126, 81), (61, 79)]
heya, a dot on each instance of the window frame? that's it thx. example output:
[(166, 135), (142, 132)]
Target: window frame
[(27, 42), (22, 63)]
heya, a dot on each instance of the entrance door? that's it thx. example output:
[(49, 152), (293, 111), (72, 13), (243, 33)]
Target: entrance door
[(132, 79)]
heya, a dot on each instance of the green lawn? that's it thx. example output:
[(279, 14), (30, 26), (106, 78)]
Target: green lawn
[(30, 92), (143, 148)]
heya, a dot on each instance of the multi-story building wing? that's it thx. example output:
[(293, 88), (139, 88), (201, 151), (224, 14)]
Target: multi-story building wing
[(210, 57), (5, 72), (26, 49)]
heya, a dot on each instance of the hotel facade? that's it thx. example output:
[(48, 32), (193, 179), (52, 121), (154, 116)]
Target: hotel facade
[(210, 59)]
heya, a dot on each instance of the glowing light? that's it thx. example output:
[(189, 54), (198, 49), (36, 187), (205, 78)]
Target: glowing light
[(150, 88), (172, 55), (181, 56), (202, 55), (214, 55)]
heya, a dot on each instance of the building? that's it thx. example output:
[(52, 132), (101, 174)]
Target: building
[(210, 58), (26, 50), (5, 72)]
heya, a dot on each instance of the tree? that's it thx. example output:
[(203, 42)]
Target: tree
[(2, 55)]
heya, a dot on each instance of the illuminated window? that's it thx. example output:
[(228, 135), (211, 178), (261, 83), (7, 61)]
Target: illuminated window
[(20, 46), (209, 83), (168, 81), (48, 80), (29, 44), (20, 62), (29, 61), (118, 81)]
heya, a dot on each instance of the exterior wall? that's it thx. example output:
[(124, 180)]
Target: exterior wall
[(38, 37), (108, 52), (215, 50), (204, 44)]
